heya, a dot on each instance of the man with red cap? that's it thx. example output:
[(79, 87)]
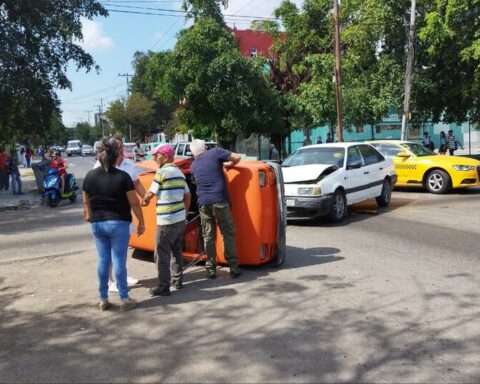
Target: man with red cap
[(173, 204)]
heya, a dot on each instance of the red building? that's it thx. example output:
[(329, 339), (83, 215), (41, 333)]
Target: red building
[(252, 43)]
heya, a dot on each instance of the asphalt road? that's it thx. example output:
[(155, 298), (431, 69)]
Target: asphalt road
[(388, 295)]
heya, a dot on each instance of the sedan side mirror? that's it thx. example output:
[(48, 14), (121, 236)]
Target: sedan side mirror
[(403, 154), (354, 165)]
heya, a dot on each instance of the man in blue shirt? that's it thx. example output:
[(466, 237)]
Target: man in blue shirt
[(214, 203)]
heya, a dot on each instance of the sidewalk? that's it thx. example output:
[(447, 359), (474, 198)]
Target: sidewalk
[(30, 199)]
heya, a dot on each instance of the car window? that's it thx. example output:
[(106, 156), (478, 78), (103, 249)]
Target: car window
[(316, 155), (354, 156), (187, 150), (389, 150), (180, 149), (370, 155), (418, 149)]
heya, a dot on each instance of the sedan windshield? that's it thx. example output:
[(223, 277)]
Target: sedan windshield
[(418, 149), (316, 155)]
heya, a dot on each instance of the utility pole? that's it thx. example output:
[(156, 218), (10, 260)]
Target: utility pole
[(338, 79), (128, 75), (408, 72), (100, 113)]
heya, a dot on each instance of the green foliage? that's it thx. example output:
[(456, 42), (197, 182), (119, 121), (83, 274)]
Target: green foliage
[(83, 132), (37, 40), (220, 91), (139, 114), (198, 9), (117, 115)]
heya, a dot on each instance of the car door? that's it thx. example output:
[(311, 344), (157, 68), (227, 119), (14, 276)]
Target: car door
[(180, 149), (373, 170), (354, 177)]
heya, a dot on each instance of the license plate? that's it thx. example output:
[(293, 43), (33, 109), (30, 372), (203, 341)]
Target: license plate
[(290, 203)]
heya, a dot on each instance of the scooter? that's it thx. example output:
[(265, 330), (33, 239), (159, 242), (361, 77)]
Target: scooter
[(53, 188)]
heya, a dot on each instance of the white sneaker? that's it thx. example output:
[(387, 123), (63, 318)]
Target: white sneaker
[(131, 281), (112, 287)]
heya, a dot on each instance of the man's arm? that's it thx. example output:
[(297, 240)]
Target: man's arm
[(146, 198), (139, 188), (232, 160)]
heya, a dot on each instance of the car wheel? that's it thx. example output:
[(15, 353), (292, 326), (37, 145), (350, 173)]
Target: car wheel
[(338, 207), (437, 181), (384, 199)]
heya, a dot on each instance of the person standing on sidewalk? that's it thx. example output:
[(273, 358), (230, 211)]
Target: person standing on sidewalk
[(173, 204), (3, 170), (128, 166), (453, 143), (12, 165), (109, 197), (214, 203)]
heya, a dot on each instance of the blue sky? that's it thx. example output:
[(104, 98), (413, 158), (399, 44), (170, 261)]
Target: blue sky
[(112, 41)]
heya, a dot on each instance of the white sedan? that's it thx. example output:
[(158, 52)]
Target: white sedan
[(87, 150), (323, 179)]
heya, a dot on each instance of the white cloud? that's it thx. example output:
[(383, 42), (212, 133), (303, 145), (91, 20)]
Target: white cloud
[(94, 38)]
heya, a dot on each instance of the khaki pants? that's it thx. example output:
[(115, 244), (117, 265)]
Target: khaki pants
[(169, 253), (212, 214)]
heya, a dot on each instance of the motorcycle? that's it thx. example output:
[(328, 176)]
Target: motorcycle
[(53, 188)]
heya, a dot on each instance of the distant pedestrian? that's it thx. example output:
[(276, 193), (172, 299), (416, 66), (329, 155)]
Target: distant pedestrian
[(442, 150), (3, 170), (453, 143), (22, 157), (273, 152), (139, 152), (319, 140), (427, 141), (28, 156), (15, 173), (329, 138)]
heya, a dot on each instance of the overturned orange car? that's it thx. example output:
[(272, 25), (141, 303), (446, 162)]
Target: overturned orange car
[(258, 208)]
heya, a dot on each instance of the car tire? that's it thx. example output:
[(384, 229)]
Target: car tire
[(437, 181), (386, 196), (338, 209)]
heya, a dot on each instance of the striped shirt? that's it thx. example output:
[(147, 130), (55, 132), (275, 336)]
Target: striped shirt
[(170, 187)]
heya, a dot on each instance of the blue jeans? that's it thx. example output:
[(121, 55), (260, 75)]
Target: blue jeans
[(111, 239), (16, 183)]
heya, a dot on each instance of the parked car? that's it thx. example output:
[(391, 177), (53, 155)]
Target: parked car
[(417, 166), (74, 147), (128, 151), (182, 149), (324, 179), (258, 208), (87, 150)]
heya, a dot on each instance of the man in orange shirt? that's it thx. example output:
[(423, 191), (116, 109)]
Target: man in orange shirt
[(61, 166)]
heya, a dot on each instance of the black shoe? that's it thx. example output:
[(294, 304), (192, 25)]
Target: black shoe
[(178, 284), (211, 274), (160, 291), (235, 272)]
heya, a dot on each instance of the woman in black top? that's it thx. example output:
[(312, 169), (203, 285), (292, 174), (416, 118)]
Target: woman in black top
[(109, 196)]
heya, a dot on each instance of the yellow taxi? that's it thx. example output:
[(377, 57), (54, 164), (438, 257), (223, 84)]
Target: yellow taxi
[(417, 166)]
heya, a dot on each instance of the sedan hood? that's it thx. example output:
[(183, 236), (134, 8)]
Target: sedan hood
[(303, 173)]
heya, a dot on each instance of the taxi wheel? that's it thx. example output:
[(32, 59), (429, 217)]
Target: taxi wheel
[(384, 199), (437, 181), (338, 207)]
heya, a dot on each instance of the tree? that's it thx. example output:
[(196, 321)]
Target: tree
[(148, 68), (449, 60), (117, 115), (38, 41), (302, 63), (139, 113), (198, 9), (220, 92)]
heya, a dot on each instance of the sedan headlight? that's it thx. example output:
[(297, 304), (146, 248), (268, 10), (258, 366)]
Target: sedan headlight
[(464, 167), (309, 191)]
